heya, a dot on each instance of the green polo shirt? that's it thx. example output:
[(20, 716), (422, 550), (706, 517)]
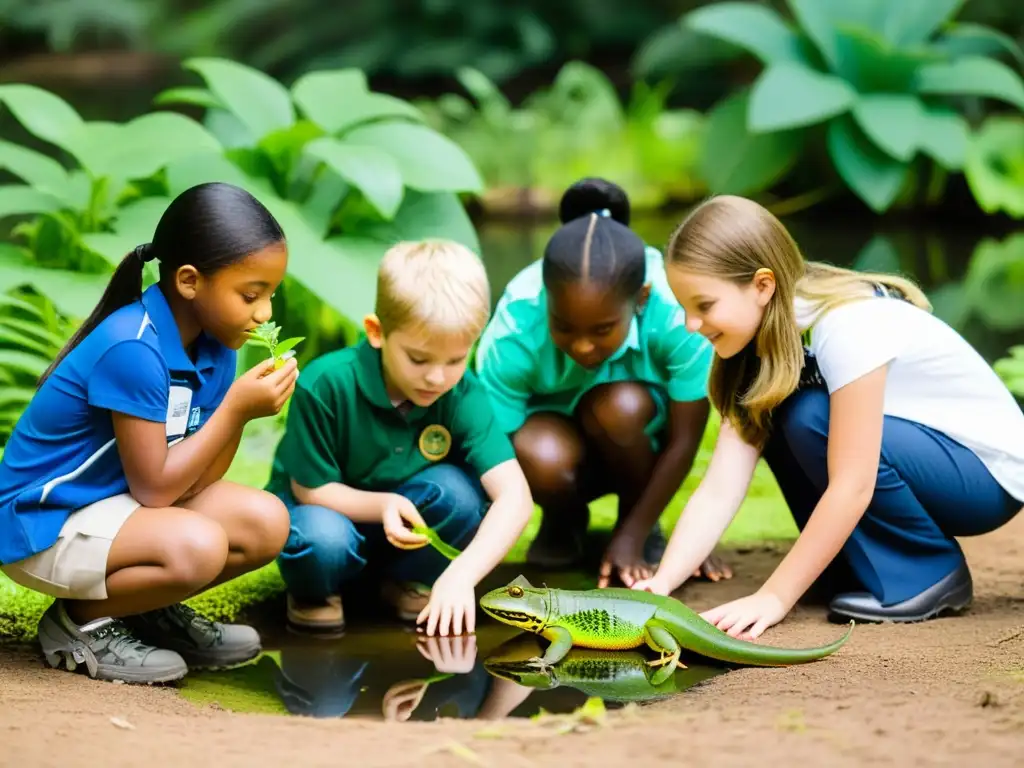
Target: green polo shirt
[(525, 372), (343, 428)]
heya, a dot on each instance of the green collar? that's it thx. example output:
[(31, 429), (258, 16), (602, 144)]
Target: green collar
[(370, 380)]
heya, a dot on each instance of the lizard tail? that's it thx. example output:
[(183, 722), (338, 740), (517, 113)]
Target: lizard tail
[(712, 642)]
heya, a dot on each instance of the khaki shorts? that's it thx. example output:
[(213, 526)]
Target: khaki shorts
[(75, 568)]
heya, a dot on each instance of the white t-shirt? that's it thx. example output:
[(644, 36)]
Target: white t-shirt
[(935, 377)]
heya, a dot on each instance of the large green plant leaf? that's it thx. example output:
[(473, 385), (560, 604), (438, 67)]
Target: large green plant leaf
[(33, 167), (944, 136), (141, 147), (879, 255), (754, 27), (23, 362), (337, 100), (870, 65), (913, 22), (42, 113), (739, 162), (260, 102), (370, 169), (196, 97), (790, 95), (995, 165), (820, 20), (73, 293), (966, 39), (972, 76), (428, 161), (427, 215), (873, 176), (893, 121), (21, 200), (134, 225)]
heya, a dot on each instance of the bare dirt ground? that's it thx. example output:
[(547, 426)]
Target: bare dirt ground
[(945, 692)]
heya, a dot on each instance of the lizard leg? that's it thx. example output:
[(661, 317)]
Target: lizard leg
[(561, 643), (657, 675), (660, 639)]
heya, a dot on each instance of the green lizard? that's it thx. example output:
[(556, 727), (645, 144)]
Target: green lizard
[(610, 675), (620, 619)]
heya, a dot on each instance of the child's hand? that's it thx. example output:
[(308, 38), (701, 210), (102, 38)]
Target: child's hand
[(262, 391), (452, 605), (757, 611), (654, 585), (398, 511), (625, 554)]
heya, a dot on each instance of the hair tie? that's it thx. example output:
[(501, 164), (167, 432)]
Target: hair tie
[(604, 212), (144, 252)]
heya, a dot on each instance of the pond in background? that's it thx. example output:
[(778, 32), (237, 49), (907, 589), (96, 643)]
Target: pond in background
[(382, 669), (975, 281)]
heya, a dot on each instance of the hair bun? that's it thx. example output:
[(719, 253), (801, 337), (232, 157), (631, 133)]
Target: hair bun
[(594, 195), (144, 252)]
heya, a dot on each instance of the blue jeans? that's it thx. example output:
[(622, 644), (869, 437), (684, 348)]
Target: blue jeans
[(325, 549), (929, 489)]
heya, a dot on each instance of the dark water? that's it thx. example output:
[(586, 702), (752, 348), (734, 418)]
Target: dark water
[(974, 279), (382, 669)]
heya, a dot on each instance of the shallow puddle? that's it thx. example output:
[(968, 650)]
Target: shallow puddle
[(386, 670)]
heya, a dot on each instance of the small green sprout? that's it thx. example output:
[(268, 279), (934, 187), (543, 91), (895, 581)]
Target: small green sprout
[(266, 336)]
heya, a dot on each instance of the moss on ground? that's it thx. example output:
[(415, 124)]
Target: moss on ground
[(763, 517)]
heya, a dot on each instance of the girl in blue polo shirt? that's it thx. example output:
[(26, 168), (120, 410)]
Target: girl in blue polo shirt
[(111, 498), (590, 367)]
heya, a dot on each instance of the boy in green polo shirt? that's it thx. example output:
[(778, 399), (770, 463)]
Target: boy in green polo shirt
[(394, 432)]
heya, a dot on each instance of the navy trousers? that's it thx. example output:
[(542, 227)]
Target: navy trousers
[(929, 489)]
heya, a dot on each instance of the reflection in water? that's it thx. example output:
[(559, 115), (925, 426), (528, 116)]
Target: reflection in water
[(398, 676)]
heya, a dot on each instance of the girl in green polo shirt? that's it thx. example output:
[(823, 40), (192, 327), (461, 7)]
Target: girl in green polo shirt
[(591, 369)]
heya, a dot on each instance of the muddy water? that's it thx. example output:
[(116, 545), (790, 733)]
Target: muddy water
[(383, 669)]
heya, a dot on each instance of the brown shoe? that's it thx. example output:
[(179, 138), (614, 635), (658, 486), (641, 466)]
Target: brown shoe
[(407, 598), (321, 617)]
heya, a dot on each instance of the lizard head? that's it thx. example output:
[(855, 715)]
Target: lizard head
[(518, 604)]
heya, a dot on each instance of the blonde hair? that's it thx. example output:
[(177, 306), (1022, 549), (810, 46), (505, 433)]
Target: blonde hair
[(438, 286), (732, 238)]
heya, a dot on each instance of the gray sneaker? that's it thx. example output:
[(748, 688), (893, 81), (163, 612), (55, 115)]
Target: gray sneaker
[(106, 648), (202, 643)]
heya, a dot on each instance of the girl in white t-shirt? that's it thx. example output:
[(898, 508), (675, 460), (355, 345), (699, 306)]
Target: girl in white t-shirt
[(887, 433)]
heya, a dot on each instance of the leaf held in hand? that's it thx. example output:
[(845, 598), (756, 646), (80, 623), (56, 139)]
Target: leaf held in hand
[(265, 335), (435, 541)]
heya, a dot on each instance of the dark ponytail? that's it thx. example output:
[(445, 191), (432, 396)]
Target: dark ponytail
[(595, 242), (209, 226)]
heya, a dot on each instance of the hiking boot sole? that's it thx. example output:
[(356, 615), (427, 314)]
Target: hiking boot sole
[(153, 676)]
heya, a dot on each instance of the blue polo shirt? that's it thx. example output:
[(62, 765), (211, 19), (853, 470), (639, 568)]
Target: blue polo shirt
[(62, 455)]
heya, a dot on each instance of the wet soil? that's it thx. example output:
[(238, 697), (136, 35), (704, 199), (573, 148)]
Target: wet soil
[(939, 693)]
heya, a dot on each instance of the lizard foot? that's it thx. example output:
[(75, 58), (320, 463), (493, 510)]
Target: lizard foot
[(672, 659), (538, 663)]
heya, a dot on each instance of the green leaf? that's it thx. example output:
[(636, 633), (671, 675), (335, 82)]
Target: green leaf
[(972, 76), (966, 39), (42, 113), (912, 22), (870, 65), (944, 136), (874, 177), (258, 100), (494, 107), (821, 19), (197, 97), (994, 168), (738, 162), (791, 95), (428, 161), (427, 215), (200, 169), (879, 255), (21, 200), (754, 27), (283, 346), (1011, 370), (140, 148), (357, 258), (33, 167), (23, 362), (135, 224), (337, 100), (892, 121), (370, 169), (73, 293)]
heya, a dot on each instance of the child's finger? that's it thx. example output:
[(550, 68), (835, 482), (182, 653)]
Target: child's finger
[(605, 574)]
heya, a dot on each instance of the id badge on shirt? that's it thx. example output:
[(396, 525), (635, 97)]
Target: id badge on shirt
[(179, 406)]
